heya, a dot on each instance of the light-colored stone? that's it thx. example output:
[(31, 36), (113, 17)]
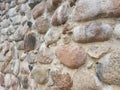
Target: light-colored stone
[(108, 69), (16, 19), (116, 31), (12, 12), (51, 36), (40, 75), (60, 16), (94, 32), (85, 80), (97, 51), (72, 56), (11, 81), (5, 23), (85, 10), (16, 67), (31, 58), (24, 69)]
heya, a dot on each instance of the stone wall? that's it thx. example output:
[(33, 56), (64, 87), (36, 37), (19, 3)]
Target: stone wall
[(59, 44)]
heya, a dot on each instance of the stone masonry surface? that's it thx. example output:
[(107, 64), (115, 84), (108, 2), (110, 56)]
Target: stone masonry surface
[(59, 44)]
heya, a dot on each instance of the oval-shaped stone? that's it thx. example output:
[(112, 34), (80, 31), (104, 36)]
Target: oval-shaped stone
[(108, 71), (60, 16), (72, 56), (29, 41)]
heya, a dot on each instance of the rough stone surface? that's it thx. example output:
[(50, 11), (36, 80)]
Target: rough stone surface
[(52, 36), (72, 56), (40, 75), (62, 81), (29, 41), (53, 4), (85, 10), (97, 51), (60, 16), (23, 82), (44, 42), (42, 24), (43, 59), (84, 80), (38, 9), (93, 33), (108, 69)]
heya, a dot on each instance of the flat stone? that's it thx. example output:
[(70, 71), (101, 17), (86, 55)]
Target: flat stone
[(62, 81), (38, 10), (42, 25), (108, 69), (85, 80), (60, 16), (72, 56), (97, 51), (85, 10), (40, 75), (30, 41), (94, 32)]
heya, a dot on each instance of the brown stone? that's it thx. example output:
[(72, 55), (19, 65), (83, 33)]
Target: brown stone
[(85, 80), (29, 41), (108, 69), (72, 56), (62, 81), (42, 25), (60, 16), (38, 10), (53, 4), (43, 59)]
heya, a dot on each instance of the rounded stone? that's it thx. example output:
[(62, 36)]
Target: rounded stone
[(62, 81), (53, 4), (85, 80), (51, 36), (38, 10), (60, 16), (72, 56), (94, 32), (108, 70), (40, 75), (42, 24), (29, 41)]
